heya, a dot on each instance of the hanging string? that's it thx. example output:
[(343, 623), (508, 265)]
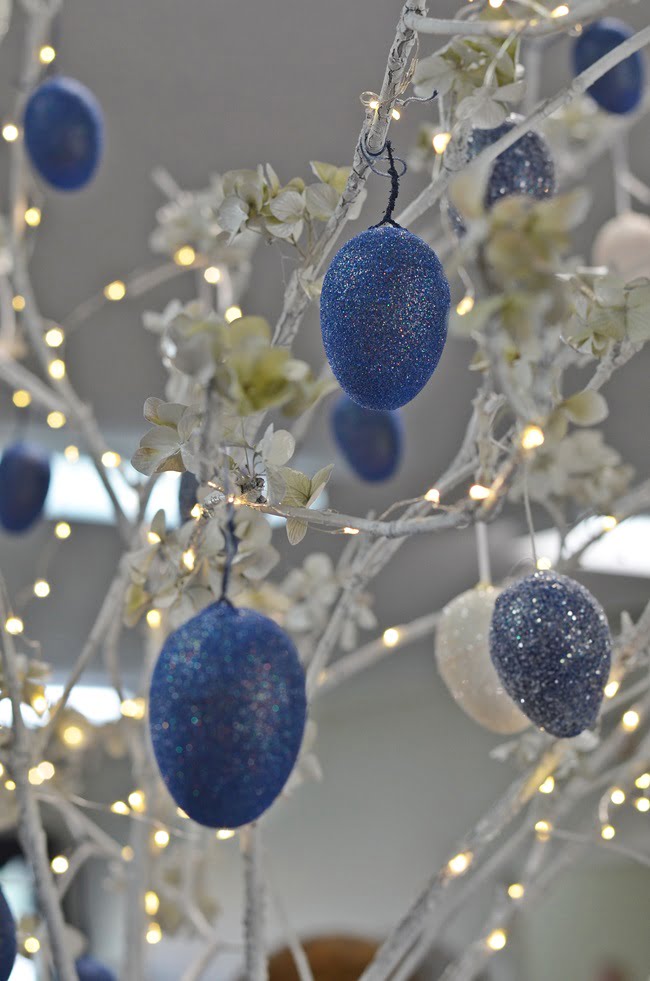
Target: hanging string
[(529, 517), (393, 173), (231, 545)]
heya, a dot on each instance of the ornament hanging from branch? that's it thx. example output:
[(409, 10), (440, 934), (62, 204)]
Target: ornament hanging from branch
[(384, 311), (619, 90), (89, 969), (623, 245), (7, 939), (24, 483), (370, 440)]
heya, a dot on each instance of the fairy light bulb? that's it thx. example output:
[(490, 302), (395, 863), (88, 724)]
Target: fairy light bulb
[(151, 903), (374, 104), (59, 864), (459, 863), (133, 708), (154, 619), (127, 853), (478, 492), (47, 54), (189, 559), (54, 337), (440, 142), (350, 531), (196, 511), (396, 114), (630, 720), (110, 459), (617, 796), (73, 736), (560, 11), (120, 807), (41, 588), (33, 216), (465, 306), (56, 419), (608, 832), (498, 938), (14, 625), (391, 637), (548, 786), (32, 945), (56, 369), (10, 132), (212, 275), (643, 782), (232, 313), (544, 563), (153, 934), (18, 303), (642, 804), (432, 495), (516, 890), (115, 291), (34, 776), (609, 522), (611, 688), (543, 830), (10, 785), (46, 769), (21, 398), (225, 834), (62, 530), (161, 838), (532, 437), (495, 4), (39, 703), (184, 256), (137, 802)]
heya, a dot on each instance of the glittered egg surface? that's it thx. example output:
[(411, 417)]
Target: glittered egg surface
[(369, 439), (7, 939), (64, 133), (623, 245), (227, 713), (551, 647), (619, 90), (464, 663), (24, 483), (384, 310), (89, 969)]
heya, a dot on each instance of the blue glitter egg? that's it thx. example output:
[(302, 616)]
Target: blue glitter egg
[(551, 647), (7, 939), (227, 713), (64, 133), (619, 90), (187, 491), (24, 483), (370, 440), (384, 310), (89, 969)]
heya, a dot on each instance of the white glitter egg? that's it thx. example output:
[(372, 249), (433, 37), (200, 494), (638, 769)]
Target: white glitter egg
[(623, 245), (464, 663)]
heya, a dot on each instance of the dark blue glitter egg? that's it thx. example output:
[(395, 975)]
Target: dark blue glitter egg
[(187, 491), (24, 483), (227, 713), (551, 647), (7, 939), (89, 969), (64, 133), (370, 440), (384, 310), (619, 90)]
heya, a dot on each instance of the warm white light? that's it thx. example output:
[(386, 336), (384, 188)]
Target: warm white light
[(544, 563), (391, 637), (21, 398), (154, 618), (465, 306), (432, 496), (33, 216), (56, 419), (10, 785), (441, 141), (516, 890), (374, 104), (111, 459), (630, 720), (56, 369), (39, 703), (46, 769), (10, 132), (189, 559), (133, 708), (608, 832), (115, 290), (459, 863), (119, 807), (350, 531), (478, 492), (496, 4), (560, 11), (151, 903), (34, 776), (609, 522), (54, 337), (196, 511), (47, 54), (154, 934), (153, 538), (543, 829), (127, 853), (611, 688), (548, 786), (14, 625), (232, 313), (642, 804), (71, 453), (161, 838), (643, 782), (32, 945), (136, 801), (498, 938), (224, 834), (532, 437), (184, 256), (18, 302), (41, 588), (182, 814), (212, 274), (617, 796), (60, 864), (62, 530), (396, 114), (73, 736)]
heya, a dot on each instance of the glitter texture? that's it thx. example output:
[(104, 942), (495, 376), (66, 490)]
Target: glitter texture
[(7, 939), (64, 133), (89, 969), (620, 90), (370, 441), (551, 646), (463, 658), (24, 483), (227, 714), (384, 311)]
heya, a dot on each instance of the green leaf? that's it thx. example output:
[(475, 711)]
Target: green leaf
[(296, 530), (298, 487), (321, 200), (586, 408)]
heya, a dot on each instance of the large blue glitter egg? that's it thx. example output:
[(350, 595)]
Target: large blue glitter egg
[(551, 646), (227, 713), (621, 88), (384, 310), (369, 439), (64, 133), (7, 939), (24, 483), (89, 969)]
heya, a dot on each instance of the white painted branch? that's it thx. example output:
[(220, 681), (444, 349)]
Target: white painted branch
[(255, 947), (434, 191), (531, 26), (17, 376)]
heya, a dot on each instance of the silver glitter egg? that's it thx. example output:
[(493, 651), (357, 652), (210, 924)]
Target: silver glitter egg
[(463, 658)]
